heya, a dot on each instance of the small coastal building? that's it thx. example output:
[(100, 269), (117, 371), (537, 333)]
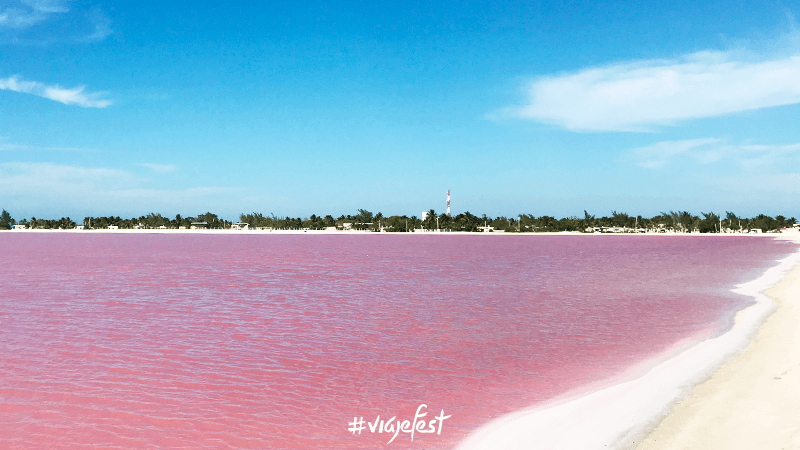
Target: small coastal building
[(240, 226), (199, 225), (18, 226), (113, 227)]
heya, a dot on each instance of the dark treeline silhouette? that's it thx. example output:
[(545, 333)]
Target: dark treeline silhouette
[(680, 221), (7, 222), (207, 220)]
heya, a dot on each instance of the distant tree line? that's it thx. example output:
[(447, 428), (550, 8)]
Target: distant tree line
[(364, 220), (207, 220), (680, 221)]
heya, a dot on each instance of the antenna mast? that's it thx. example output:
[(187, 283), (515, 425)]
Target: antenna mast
[(448, 203)]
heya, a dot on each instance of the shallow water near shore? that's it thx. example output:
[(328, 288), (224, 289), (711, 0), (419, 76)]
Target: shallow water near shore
[(218, 341)]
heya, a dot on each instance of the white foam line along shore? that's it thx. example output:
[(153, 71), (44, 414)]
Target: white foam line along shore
[(619, 416)]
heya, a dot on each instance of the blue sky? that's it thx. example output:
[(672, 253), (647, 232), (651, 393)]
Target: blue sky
[(544, 108)]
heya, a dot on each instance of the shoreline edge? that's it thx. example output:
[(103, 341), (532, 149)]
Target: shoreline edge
[(752, 400), (643, 412)]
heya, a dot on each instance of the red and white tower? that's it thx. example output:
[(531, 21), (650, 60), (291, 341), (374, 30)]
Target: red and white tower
[(448, 203)]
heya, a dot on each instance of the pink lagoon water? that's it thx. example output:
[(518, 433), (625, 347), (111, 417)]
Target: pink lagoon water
[(280, 341)]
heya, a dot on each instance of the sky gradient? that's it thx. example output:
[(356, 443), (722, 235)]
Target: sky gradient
[(543, 108)]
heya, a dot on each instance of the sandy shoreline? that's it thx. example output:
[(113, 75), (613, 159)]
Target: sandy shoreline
[(646, 408), (751, 402)]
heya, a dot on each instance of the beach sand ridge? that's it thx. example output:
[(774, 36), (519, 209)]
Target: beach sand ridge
[(751, 402)]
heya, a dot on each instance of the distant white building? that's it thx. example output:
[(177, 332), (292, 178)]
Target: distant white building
[(113, 227), (424, 215), (240, 226), (19, 227)]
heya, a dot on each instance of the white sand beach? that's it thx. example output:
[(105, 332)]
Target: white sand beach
[(753, 401), (727, 392)]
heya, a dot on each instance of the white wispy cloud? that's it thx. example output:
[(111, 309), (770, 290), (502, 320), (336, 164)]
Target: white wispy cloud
[(643, 95), (46, 176), (758, 156), (65, 189), (660, 154), (162, 168), (42, 23), (101, 24), (6, 146), (30, 12), (775, 191), (10, 147), (75, 96), (712, 150)]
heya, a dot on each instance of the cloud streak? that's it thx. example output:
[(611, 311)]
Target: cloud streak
[(70, 189), (101, 24), (22, 21), (20, 177), (711, 150), (36, 11), (34, 148), (161, 168), (75, 96), (644, 95)]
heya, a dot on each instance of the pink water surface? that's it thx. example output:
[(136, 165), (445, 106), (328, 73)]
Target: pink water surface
[(279, 341)]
